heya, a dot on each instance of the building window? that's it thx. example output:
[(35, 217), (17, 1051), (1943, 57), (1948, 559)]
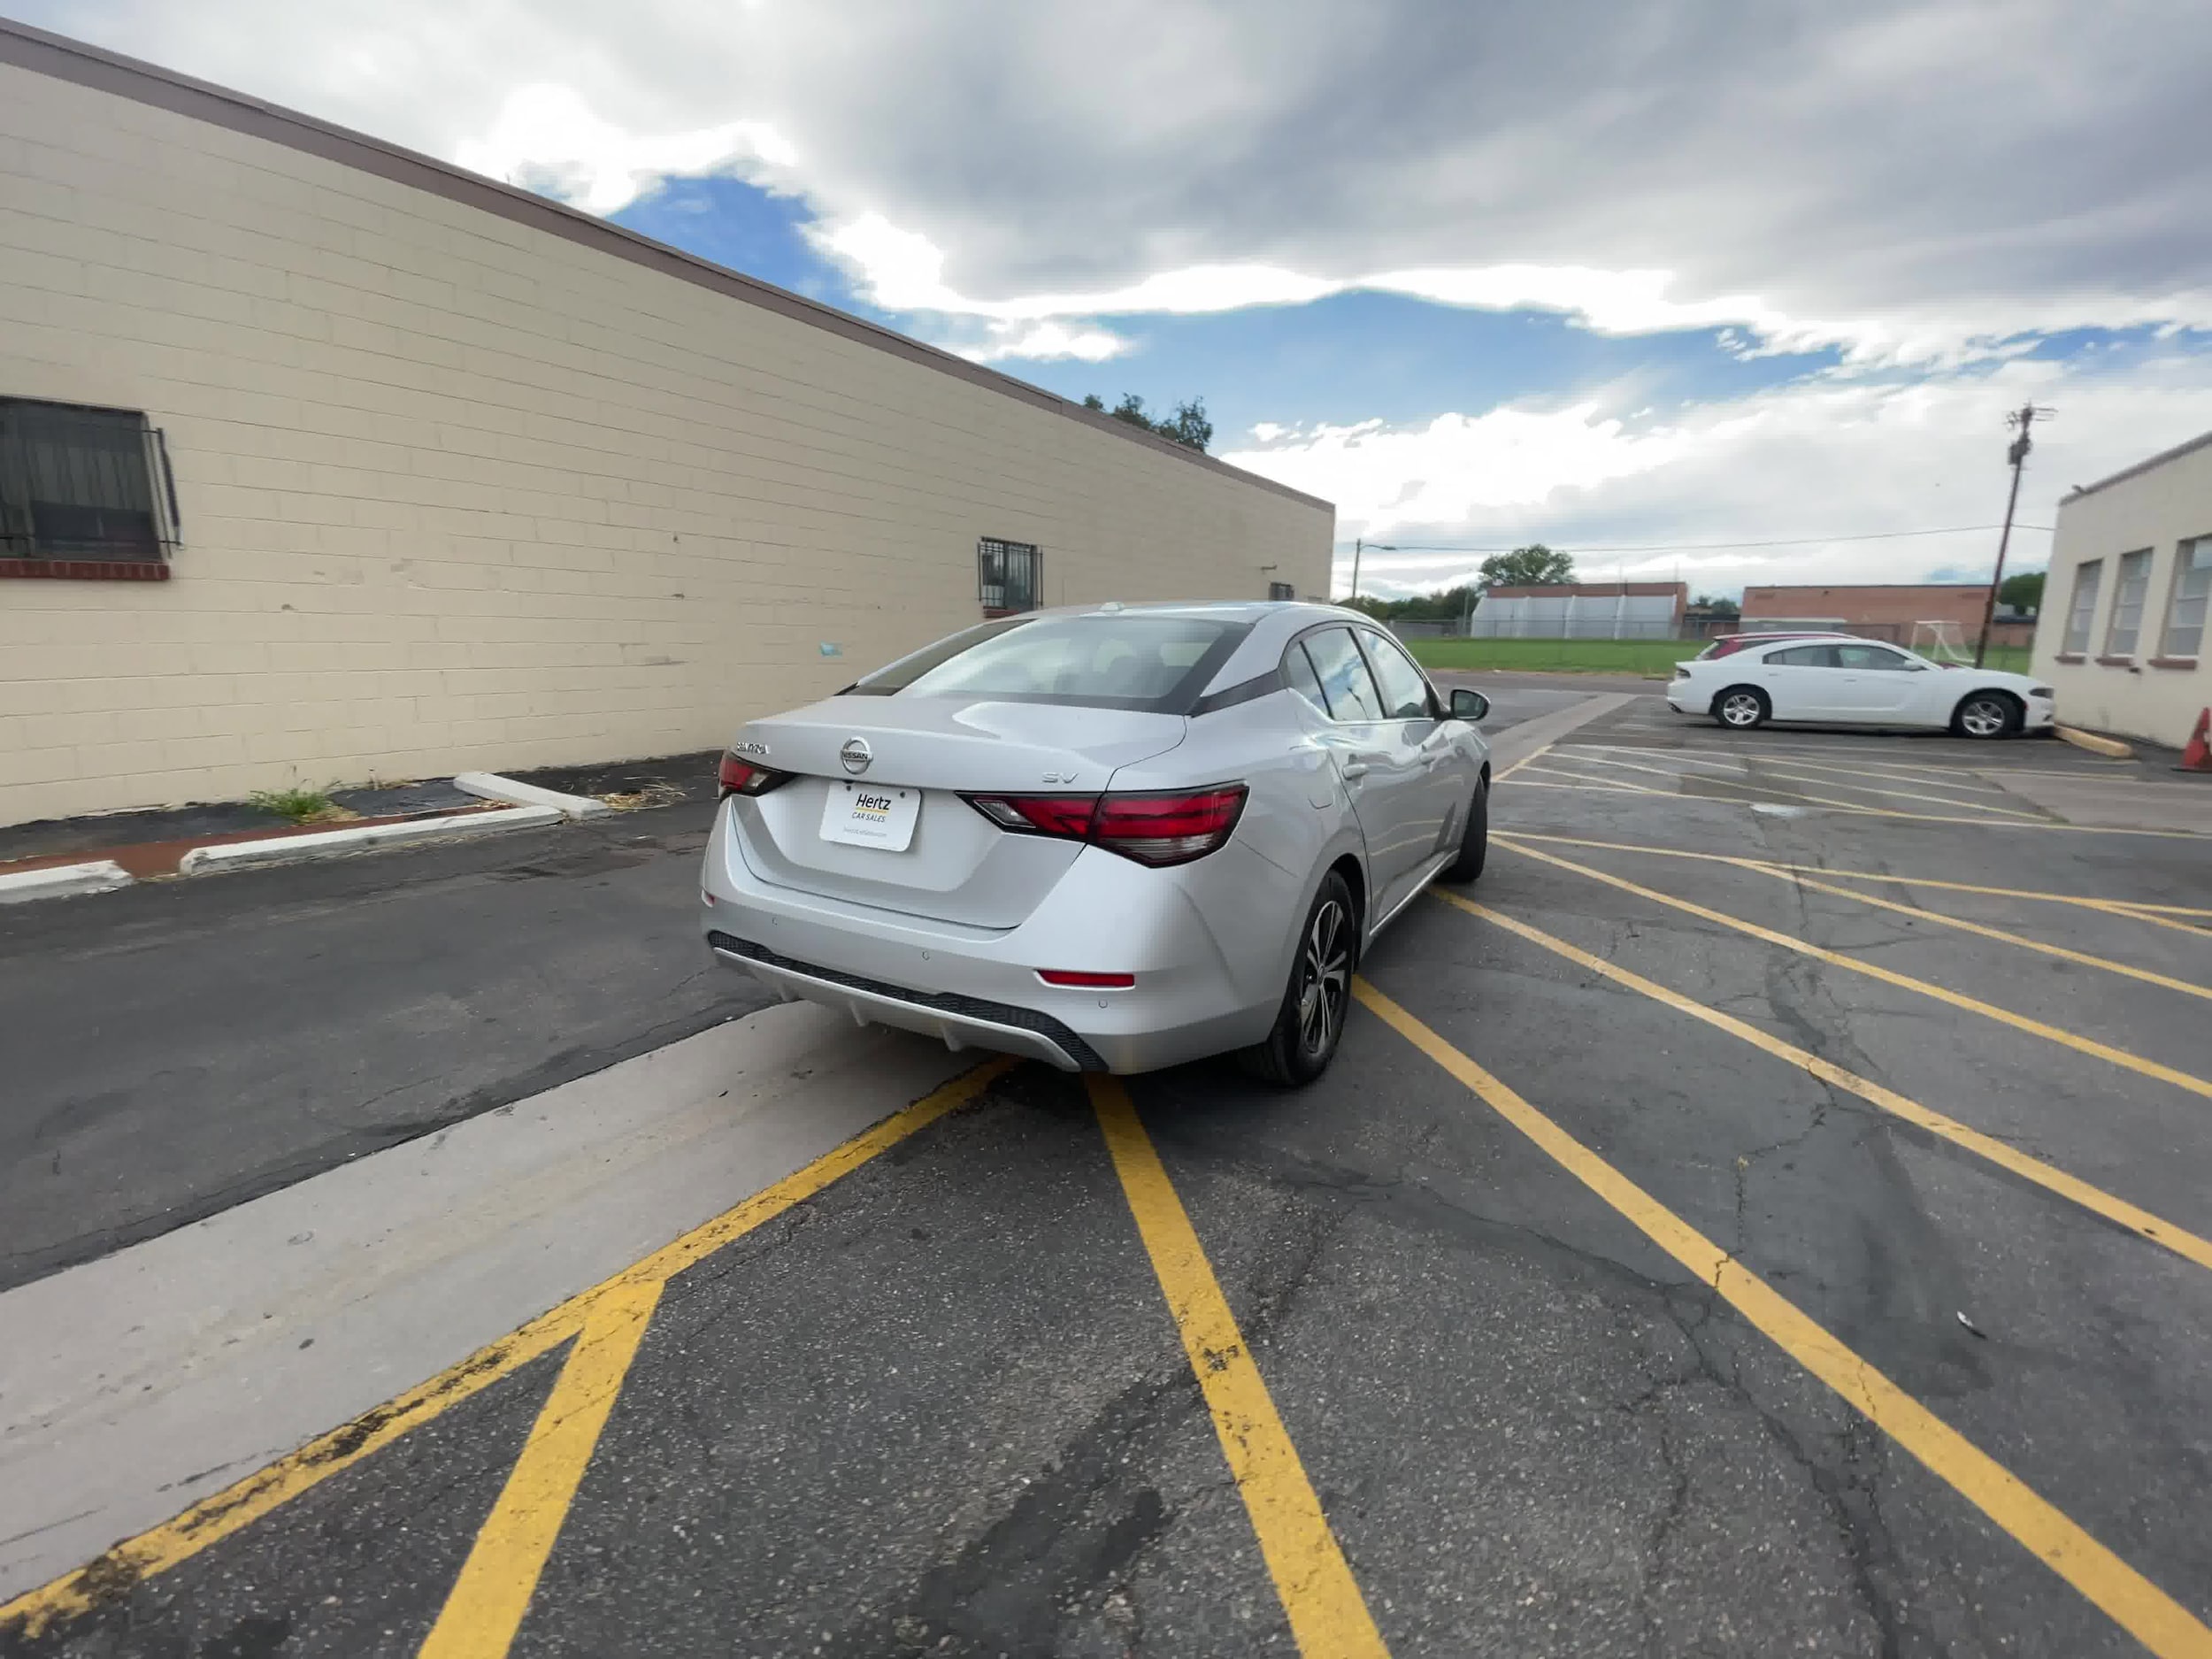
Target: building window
[(1008, 575), (83, 492), (2128, 593), (2184, 610), (1281, 590), (2087, 578)]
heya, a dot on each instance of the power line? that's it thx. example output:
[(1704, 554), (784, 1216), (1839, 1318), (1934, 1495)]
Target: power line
[(1704, 547)]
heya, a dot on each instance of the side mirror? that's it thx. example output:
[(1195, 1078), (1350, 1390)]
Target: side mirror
[(1469, 705)]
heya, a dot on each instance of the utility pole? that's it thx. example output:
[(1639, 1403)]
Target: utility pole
[(1356, 545), (2020, 419)]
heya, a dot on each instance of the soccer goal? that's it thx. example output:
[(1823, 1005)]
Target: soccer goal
[(1941, 641)]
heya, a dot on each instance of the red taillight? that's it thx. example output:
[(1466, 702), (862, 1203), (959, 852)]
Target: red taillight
[(1170, 828), (1087, 981), (745, 777), (1067, 815)]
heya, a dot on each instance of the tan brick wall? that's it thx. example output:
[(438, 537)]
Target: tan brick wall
[(2137, 694), (1889, 612), (458, 492)]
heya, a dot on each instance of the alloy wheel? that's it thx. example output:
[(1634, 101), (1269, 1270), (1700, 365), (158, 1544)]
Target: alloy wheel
[(1983, 718), (1740, 709), (1324, 977)]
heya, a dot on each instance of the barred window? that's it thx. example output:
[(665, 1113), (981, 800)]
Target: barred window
[(1008, 575), (83, 485), (1281, 590)]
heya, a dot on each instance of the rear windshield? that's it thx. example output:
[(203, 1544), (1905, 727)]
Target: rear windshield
[(1152, 663)]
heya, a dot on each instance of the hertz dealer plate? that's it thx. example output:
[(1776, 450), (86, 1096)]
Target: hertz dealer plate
[(870, 815)]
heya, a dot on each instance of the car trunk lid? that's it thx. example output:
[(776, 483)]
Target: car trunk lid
[(959, 866)]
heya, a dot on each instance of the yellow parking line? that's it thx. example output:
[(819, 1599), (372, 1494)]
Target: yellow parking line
[(1882, 811), (1902, 774), (1532, 754), (1626, 788), (2125, 1596), (2128, 907), (2083, 958), (2004, 1016), (1794, 795), (2136, 1220), (1328, 1616), (245, 1501), (485, 1609)]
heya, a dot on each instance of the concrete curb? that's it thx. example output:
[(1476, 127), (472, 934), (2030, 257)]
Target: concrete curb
[(492, 787), (61, 881), (2110, 747), (286, 850)]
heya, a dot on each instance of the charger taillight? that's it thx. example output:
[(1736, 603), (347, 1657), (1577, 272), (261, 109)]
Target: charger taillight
[(1158, 828), (740, 776)]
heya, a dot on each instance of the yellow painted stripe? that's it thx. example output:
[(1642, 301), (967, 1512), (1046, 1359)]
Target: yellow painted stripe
[(1907, 775), (1823, 800), (2104, 963), (1608, 783), (2051, 1178), (240, 1505), (1532, 754), (1988, 1011), (485, 1609), (1328, 1616), (2125, 1596), (2129, 907), (1910, 818)]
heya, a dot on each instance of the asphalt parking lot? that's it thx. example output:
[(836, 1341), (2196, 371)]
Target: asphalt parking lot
[(1770, 1212)]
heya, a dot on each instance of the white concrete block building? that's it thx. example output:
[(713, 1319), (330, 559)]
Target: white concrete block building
[(2122, 636), (321, 461)]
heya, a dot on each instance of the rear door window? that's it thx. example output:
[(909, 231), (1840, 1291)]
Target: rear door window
[(1345, 681), (1299, 676), (1802, 657), (1872, 657), (1405, 694)]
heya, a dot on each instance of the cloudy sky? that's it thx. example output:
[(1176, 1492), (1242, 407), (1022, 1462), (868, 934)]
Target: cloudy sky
[(1633, 280)]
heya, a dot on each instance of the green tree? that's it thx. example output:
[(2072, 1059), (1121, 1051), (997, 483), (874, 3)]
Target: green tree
[(2022, 591), (1527, 567), (1725, 608), (1187, 425)]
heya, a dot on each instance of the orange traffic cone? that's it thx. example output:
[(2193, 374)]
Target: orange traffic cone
[(2197, 755)]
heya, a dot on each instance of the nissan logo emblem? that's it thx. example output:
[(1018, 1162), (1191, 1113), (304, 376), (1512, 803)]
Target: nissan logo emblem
[(855, 755)]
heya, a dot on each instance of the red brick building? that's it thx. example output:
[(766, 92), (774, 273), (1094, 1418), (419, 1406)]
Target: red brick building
[(1884, 612)]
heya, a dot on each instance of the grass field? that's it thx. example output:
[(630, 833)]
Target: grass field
[(1603, 657)]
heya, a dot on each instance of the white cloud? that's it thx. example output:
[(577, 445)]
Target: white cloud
[(547, 138), (1896, 176), (1041, 341), (1823, 459)]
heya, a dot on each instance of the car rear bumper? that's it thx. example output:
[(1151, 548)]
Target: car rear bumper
[(971, 987)]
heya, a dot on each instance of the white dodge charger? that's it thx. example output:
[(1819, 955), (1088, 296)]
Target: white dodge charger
[(1843, 680)]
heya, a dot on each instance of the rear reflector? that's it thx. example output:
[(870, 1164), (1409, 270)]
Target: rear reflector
[(1087, 981), (1169, 828), (744, 777)]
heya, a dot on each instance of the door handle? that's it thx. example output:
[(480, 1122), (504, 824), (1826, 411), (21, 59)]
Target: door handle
[(1354, 769)]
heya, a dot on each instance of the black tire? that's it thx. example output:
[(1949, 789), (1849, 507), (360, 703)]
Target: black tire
[(1474, 840), (1742, 708), (1307, 1033), (1986, 715)]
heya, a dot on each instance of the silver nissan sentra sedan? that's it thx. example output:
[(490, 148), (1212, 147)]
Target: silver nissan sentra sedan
[(1113, 838)]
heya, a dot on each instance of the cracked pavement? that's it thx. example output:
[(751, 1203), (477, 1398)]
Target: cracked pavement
[(941, 1407)]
